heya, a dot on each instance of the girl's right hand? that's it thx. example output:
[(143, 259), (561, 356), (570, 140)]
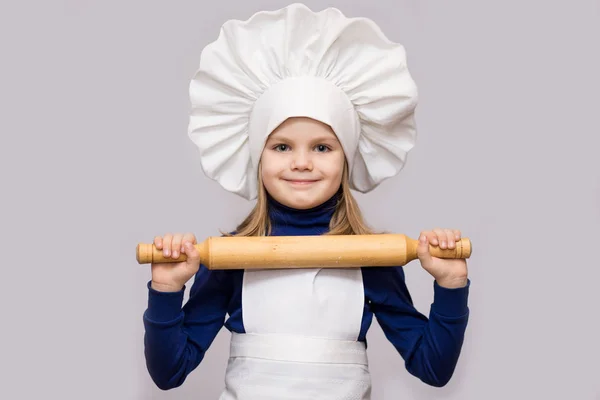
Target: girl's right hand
[(171, 277)]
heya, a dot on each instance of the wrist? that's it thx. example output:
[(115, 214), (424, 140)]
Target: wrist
[(453, 282), (164, 287)]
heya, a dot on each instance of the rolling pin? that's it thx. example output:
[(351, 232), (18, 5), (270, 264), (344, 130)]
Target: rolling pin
[(320, 251)]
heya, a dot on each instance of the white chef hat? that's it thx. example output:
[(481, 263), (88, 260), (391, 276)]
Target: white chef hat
[(294, 62)]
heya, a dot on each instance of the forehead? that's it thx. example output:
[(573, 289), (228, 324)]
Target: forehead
[(301, 128)]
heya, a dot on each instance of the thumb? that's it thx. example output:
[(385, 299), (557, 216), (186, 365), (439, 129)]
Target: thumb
[(423, 252)]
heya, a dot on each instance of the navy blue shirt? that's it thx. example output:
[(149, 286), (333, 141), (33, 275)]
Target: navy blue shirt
[(176, 338)]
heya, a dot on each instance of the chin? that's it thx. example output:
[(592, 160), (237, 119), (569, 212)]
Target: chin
[(299, 198)]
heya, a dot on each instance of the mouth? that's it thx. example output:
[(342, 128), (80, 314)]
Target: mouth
[(301, 181)]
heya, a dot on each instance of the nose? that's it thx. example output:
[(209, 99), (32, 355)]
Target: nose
[(301, 161)]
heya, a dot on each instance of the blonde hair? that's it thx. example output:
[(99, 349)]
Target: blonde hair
[(347, 218)]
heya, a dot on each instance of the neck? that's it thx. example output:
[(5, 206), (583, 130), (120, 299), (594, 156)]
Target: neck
[(288, 221)]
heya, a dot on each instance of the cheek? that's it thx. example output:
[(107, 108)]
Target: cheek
[(335, 168), (269, 169)]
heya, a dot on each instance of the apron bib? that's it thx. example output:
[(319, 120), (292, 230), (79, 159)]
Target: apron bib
[(301, 337)]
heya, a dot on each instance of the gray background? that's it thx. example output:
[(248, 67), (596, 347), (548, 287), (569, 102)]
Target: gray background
[(95, 158)]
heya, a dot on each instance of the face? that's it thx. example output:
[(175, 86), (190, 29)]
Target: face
[(302, 163)]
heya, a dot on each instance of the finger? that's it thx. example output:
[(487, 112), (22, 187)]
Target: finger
[(431, 237), (166, 244), (423, 250), (441, 237), (450, 236), (158, 242), (456, 234), (176, 244), (188, 237), (193, 255)]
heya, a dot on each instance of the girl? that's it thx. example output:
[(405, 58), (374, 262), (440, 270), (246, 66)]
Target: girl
[(295, 109)]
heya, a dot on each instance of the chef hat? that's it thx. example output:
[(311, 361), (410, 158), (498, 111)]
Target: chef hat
[(297, 63)]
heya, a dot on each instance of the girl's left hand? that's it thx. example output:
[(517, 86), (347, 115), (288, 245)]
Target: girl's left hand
[(449, 273)]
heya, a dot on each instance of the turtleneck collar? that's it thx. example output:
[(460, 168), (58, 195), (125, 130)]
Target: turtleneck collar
[(287, 221)]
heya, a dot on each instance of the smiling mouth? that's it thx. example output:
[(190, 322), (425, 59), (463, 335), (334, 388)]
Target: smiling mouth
[(301, 182)]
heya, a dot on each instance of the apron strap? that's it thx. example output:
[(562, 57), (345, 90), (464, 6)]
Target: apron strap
[(298, 348)]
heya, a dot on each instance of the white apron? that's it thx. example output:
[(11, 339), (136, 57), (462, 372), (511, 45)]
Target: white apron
[(301, 337)]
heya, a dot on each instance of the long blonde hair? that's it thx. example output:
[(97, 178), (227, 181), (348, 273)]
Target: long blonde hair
[(347, 218)]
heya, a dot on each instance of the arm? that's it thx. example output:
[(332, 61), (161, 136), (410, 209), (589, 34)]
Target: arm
[(430, 346), (177, 338)]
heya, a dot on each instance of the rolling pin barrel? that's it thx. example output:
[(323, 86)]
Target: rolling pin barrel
[(324, 251)]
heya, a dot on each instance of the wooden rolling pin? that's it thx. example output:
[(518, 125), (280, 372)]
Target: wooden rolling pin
[(323, 251)]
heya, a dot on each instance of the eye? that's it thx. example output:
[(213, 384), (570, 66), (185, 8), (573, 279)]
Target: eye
[(280, 147), (322, 148)]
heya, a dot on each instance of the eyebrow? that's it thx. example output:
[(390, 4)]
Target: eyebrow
[(316, 139)]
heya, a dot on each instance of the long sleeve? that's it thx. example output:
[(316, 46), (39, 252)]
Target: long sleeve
[(177, 338), (430, 346)]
